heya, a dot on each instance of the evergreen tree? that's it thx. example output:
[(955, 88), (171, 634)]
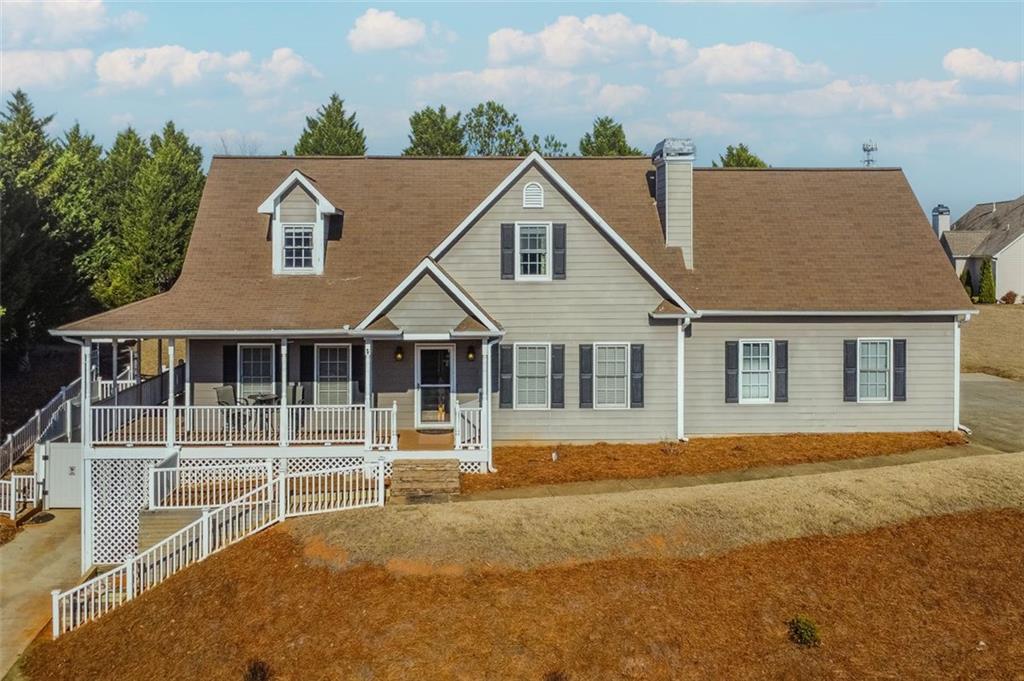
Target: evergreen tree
[(156, 220), (434, 133), (967, 281), (738, 157), (492, 130), (607, 138), (331, 132), (987, 285), (549, 146)]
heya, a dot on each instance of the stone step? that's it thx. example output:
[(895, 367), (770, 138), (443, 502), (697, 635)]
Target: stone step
[(155, 526), (424, 477)]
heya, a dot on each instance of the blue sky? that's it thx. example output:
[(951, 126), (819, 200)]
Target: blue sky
[(938, 86)]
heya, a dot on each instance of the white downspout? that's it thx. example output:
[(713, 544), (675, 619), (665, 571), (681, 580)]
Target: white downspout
[(489, 430), (368, 394), (681, 379)]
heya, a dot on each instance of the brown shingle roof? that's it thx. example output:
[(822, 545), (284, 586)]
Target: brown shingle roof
[(987, 229), (764, 240)]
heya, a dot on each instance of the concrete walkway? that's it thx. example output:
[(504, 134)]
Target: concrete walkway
[(762, 473), (39, 559), (993, 408)]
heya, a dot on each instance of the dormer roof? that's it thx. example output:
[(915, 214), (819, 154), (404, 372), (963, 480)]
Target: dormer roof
[(309, 184)]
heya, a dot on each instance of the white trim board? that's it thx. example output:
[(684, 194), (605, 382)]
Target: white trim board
[(296, 176), (535, 159)]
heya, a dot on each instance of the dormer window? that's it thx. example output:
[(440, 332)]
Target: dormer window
[(299, 215), (533, 195)]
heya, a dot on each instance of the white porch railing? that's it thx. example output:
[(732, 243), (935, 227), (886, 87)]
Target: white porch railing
[(204, 486), (327, 424), (469, 426), (105, 389), (294, 494), (384, 427), (128, 425), (21, 491), (244, 424)]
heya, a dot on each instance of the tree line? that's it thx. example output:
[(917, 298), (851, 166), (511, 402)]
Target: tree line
[(84, 229)]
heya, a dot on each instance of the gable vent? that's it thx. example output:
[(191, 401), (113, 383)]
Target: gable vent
[(533, 196)]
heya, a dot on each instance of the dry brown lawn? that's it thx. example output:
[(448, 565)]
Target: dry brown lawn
[(993, 342), (933, 598), (533, 465)]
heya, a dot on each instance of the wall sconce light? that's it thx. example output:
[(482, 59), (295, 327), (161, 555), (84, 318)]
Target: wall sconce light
[(399, 353), (471, 353)]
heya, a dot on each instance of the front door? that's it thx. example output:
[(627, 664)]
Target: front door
[(435, 381)]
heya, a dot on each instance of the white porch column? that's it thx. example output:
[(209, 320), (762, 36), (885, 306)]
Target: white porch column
[(485, 398), (138, 362), (85, 395), (113, 367), (170, 392), (283, 417), (368, 393)]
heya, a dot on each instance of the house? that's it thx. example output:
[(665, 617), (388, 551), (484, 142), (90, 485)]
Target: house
[(989, 231), (372, 308)]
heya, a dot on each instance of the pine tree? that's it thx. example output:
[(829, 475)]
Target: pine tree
[(967, 281), (492, 130), (607, 138), (331, 132), (987, 285), (434, 133), (549, 146), (738, 157), (157, 220)]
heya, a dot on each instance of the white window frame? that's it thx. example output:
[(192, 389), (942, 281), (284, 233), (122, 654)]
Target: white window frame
[(771, 371), (891, 363), (629, 376), (311, 226), (319, 231), (238, 362), (549, 229), (540, 188), (515, 377), (316, 372)]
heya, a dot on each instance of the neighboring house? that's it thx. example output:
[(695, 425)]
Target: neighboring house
[(989, 231), (385, 308)]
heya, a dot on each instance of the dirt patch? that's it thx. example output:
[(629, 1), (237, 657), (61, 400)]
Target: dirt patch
[(8, 530), (525, 466), (993, 342), (899, 602)]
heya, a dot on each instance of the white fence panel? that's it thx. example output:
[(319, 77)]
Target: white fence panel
[(334, 490)]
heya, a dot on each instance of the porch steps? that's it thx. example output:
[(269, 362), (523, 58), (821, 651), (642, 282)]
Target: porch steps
[(155, 526), (414, 480)]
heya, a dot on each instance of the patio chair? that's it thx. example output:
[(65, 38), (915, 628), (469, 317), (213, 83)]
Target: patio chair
[(232, 421)]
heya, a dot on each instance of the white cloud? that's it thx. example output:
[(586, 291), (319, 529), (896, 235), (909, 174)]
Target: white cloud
[(613, 97), (571, 41), (691, 122), (377, 30), (972, 63), (509, 85), (42, 68), (141, 67), (283, 67), (751, 62), (57, 23), (900, 99)]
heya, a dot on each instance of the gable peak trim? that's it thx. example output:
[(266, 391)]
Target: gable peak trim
[(300, 178)]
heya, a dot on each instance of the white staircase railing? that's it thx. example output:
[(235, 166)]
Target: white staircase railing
[(293, 494), (20, 441)]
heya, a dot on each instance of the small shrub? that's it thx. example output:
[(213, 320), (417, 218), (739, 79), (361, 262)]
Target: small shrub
[(1009, 298), (803, 631), (257, 670), (987, 285)]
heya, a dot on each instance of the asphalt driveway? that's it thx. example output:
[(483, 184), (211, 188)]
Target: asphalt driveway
[(993, 408)]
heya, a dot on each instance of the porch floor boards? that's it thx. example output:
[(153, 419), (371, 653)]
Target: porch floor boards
[(420, 440)]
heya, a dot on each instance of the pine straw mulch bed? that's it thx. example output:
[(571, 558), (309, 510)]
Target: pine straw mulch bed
[(937, 597), (533, 465)]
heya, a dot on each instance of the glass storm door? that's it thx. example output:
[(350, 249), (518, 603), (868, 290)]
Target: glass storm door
[(435, 378)]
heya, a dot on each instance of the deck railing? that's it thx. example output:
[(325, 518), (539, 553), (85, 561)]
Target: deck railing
[(326, 424), (19, 492), (129, 425), (469, 430), (384, 427), (19, 442), (105, 389), (242, 424), (204, 486)]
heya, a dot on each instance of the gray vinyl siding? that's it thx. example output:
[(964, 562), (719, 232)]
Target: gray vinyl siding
[(426, 308), (679, 208), (816, 378), (602, 299), (1009, 269), (298, 206)]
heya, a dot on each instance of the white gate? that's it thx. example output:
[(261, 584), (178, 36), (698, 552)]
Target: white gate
[(64, 474)]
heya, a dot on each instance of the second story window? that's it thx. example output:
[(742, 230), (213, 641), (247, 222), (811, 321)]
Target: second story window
[(298, 247), (533, 249)]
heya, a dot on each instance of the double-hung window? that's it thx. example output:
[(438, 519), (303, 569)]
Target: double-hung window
[(756, 371), (611, 376), (532, 375), (333, 374), (533, 250), (874, 369), (255, 370), (298, 247)]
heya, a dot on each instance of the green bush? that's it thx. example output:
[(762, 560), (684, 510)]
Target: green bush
[(803, 631), (967, 281), (987, 285)]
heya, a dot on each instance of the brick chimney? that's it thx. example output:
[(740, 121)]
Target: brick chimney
[(673, 191)]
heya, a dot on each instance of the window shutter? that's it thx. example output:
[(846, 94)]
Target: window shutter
[(586, 376), (558, 257), (306, 358), (557, 376), (781, 371), (849, 371), (505, 377), (358, 368), (508, 251), (230, 370), (636, 376), (899, 370), (495, 362), (732, 371)]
